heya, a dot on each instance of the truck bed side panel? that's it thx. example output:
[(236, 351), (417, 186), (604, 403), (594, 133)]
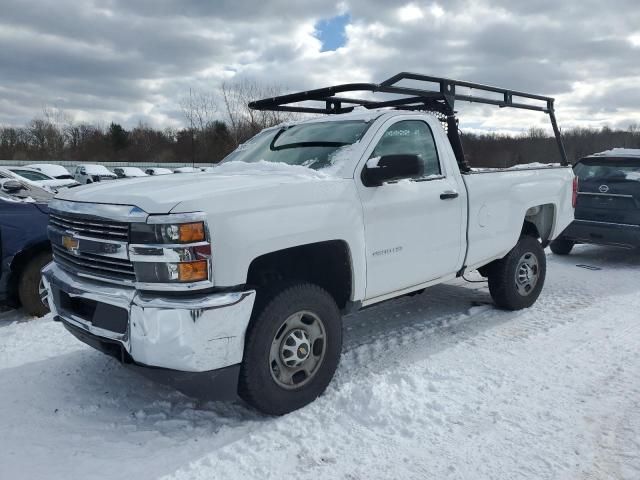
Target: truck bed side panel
[(498, 203)]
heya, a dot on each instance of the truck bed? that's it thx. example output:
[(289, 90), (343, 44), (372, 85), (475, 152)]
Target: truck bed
[(500, 198)]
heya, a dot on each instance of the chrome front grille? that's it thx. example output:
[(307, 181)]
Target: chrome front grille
[(91, 246), (96, 266), (90, 227)]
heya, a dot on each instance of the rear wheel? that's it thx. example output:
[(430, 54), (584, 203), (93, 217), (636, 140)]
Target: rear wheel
[(561, 246), (30, 287), (292, 349), (515, 281)]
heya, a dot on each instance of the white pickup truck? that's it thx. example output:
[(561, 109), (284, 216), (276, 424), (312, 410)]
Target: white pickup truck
[(234, 282)]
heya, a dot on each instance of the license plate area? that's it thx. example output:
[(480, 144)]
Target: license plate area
[(100, 315)]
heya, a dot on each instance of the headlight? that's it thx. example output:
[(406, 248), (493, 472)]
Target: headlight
[(168, 233), (171, 250), (183, 272)]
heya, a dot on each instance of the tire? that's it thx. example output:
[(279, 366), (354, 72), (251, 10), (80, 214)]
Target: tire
[(29, 285), (280, 322), (511, 279), (561, 246)]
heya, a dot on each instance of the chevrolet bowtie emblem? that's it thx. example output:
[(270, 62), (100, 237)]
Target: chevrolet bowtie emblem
[(70, 243)]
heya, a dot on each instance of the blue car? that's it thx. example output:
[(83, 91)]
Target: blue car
[(24, 246)]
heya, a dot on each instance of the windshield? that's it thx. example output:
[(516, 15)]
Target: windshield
[(55, 171), (314, 145), (608, 170), (31, 175)]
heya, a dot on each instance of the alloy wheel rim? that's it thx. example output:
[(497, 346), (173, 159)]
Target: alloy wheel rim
[(297, 350), (43, 294)]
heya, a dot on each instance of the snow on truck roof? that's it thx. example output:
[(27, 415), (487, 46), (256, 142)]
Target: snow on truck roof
[(617, 153)]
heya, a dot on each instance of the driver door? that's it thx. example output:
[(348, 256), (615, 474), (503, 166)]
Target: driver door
[(412, 235)]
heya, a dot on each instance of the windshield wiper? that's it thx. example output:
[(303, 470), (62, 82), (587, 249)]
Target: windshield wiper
[(307, 144)]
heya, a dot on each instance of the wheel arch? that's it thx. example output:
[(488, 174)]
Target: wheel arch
[(327, 264), (539, 221)]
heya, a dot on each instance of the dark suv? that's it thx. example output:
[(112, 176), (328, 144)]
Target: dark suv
[(608, 203)]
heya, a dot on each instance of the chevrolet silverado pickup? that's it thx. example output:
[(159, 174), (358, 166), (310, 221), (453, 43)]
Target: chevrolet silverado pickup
[(234, 282)]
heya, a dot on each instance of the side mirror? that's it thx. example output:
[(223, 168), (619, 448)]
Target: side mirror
[(391, 167), (12, 186)]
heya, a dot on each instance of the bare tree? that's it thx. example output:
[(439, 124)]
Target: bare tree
[(199, 109), (244, 122)]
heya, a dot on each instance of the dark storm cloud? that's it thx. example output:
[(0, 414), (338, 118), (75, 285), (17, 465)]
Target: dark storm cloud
[(135, 60)]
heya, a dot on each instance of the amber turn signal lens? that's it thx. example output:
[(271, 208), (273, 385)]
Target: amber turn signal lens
[(192, 271), (192, 232)]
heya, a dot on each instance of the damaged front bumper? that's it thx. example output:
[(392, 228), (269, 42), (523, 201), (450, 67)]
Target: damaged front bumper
[(171, 340)]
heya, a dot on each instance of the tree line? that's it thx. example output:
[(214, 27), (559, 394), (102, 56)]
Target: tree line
[(500, 150), (217, 122)]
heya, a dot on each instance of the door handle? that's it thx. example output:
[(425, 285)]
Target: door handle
[(448, 195)]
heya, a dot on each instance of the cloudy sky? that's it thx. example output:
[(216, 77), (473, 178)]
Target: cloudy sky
[(129, 61)]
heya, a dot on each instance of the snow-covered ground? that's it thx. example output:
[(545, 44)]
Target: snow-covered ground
[(436, 386)]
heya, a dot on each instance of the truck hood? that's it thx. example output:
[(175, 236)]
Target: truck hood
[(162, 194)]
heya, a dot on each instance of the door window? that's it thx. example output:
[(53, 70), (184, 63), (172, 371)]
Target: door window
[(410, 137)]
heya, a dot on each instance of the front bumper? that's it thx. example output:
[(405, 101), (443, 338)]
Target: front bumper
[(603, 233), (199, 333)]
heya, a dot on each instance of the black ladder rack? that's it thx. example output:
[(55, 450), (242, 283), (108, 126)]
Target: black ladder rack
[(439, 100)]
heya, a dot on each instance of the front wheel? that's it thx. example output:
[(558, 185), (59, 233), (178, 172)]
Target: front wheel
[(515, 281), (561, 246), (33, 296), (292, 349)]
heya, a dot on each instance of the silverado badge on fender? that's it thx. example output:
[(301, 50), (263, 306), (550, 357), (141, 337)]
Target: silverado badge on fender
[(70, 243)]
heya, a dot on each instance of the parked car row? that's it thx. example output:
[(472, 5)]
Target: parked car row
[(53, 177)]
